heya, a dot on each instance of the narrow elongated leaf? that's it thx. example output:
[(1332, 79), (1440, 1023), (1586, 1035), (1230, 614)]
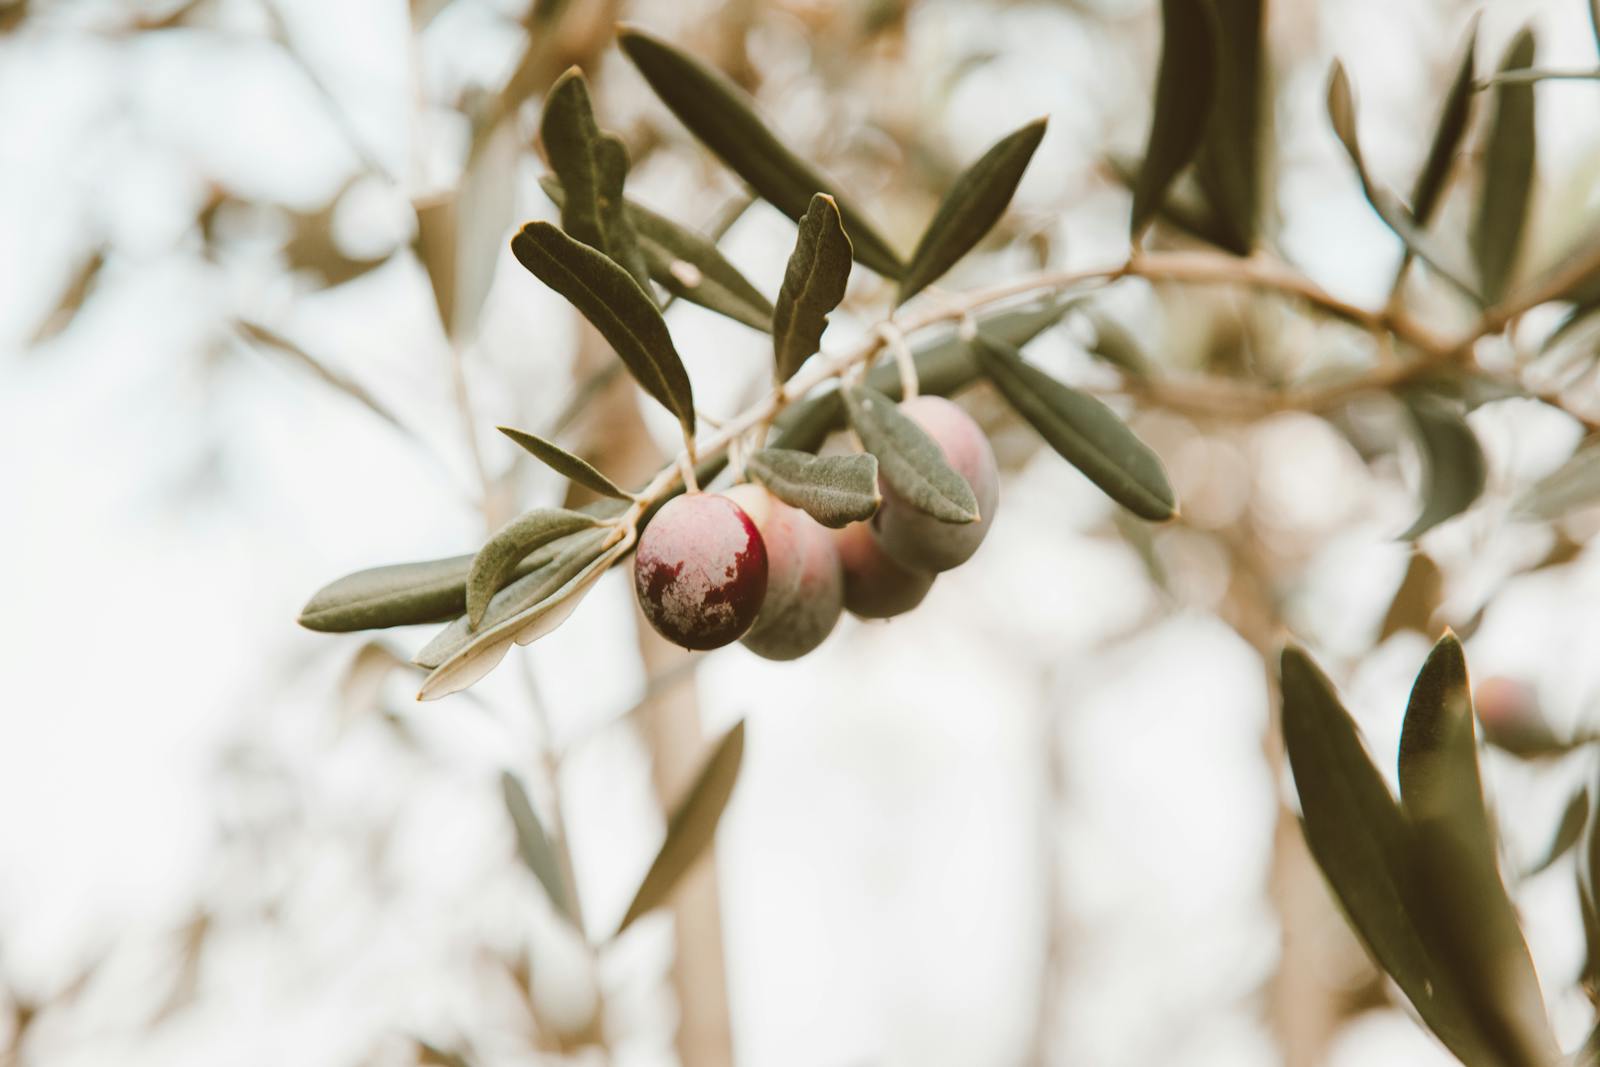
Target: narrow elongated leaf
[(1453, 468), (400, 594), (1085, 432), (479, 655), (556, 563), (971, 208), (813, 284), (624, 314), (910, 461), (1568, 832), (834, 490), (723, 118), (565, 463), (687, 265), (1450, 266), (532, 844), (1508, 162), (592, 167), (1185, 89), (1575, 484), (1454, 118), (1438, 750), (512, 543), (1228, 166), (1117, 346), (691, 827), (1361, 842), (1594, 19)]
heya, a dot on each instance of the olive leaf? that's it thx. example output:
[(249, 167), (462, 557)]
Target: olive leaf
[(591, 166), (1508, 162), (1574, 484), (1228, 166), (533, 845), (687, 265), (1116, 345), (625, 314), (971, 208), (834, 490), (554, 564), (479, 654), (1459, 900), (1454, 118), (1184, 206), (459, 233), (911, 462), (1185, 88), (1454, 471), (1568, 832), (723, 118), (691, 827), (1361, 842), (813, 284), (400, 594), (565, 463), (1083, 430), (511, 544), (1445, 262)]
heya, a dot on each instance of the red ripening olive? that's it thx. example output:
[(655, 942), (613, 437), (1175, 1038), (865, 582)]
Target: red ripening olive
[(700, 571), (805, 583), (1508, 710), (917, 539), (875, 586)]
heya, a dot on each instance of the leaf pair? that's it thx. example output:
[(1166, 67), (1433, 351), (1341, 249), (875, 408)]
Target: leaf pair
[(1082, 430), (1419, 880), (911, 462), (723, 118)]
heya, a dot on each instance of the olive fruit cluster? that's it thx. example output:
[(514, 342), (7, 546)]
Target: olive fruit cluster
[(712, 569)]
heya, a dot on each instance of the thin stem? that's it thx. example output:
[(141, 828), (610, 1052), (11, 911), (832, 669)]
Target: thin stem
[(1529, 75)]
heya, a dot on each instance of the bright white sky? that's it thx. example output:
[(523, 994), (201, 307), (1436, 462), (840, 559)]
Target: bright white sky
[(168, 510)]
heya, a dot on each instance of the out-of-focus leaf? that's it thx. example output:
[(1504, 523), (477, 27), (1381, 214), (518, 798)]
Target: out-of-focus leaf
[(510, 545), (564, 463), (351, 388), (971, 208), (1117, 346), (591, 167), (911, 462), (1417, 600), (723, 118), (688, 265), (834, 490), (1575, 484), (363, 680), (532, 843), (691, 827), (813, 284), (1362, 843), (625, 314), (573, 575), (1185, 89), (459, 233), (1228, 165), (1508, 162), (1453, 468), (72, 297), (944, 366), (1461, 903), (1184, 207), (1473, 388), (1425, 246), (311, 247), (1083, 430), (1448, 132), (1568, 832)]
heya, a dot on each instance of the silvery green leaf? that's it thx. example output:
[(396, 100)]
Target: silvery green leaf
[(1574, 484), (1185, 89), (834, 490), (510, 545), (1454, 471), (565, 463), (691, 827), (971, 208), (813, 284), (533, 845), (1508, 164), (626, 316), (591, 167), (1083, 430), (401, 594), (723, 118), (910, 461)]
